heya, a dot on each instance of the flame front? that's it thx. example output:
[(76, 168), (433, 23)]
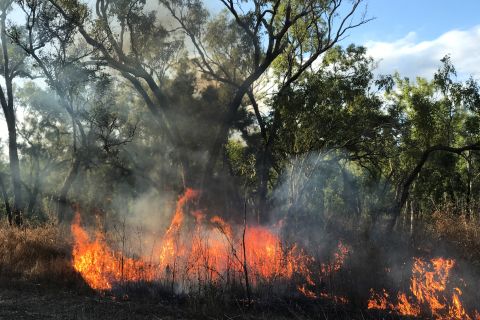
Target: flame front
[(429, 293), (197, 250), (99, 265), (209, 250)]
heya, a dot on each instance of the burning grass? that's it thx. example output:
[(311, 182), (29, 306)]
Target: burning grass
[(215, 254), (207, 262), (209, 253), (432, 292)]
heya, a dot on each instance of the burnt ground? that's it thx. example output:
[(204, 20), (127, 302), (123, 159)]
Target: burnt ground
[(29, 300), (22, 300)]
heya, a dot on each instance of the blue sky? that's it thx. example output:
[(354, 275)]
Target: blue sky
[(395, 18), (411, 36), (427, 18)]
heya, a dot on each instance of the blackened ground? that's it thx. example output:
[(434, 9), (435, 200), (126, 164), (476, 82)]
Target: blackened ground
[(28, 300), (22, 300)]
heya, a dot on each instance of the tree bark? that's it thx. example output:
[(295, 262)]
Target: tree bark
[(405, 187), (5, 201), (15, 171), (62, 200), (9, 112), (32, 200)]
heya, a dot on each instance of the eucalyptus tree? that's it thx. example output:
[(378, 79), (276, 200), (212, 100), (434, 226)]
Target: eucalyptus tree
[(45, 132), (4, 191), (437, 125), (88, 109), (241, 45), (133, 40), (12, 67), (130, 39), (49, 43), (334, 118), (254, 43), (48, 147)]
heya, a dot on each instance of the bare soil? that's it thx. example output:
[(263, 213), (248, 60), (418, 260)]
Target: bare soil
[(28, 300), (22, 300)]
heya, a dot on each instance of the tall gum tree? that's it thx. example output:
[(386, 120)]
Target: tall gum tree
[(130, 39), (49, 43), (437, 116), (240, 45), (234, 49), (12, 66)]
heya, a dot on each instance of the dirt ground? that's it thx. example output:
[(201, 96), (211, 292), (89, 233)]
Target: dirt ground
[(28, 300), (20, 300)]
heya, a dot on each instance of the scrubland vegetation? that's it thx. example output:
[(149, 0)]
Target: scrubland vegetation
[(163, 160)]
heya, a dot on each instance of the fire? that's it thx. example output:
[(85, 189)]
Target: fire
[(266, 255), (99, 265), (306, 292), (405, 307), (429, 293), (310, 289), (195, 249), (169, 248), (378, 301), (338, 260)]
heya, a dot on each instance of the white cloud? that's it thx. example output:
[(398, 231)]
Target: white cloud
[(412, 58)]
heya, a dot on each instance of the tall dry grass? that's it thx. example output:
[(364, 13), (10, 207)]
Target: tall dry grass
[(39, 253), (43, 252), (459, 231)]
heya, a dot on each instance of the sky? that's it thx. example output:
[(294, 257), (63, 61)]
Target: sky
[(411, 36)]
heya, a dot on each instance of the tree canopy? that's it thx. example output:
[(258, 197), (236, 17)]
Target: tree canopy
[(260, 105)]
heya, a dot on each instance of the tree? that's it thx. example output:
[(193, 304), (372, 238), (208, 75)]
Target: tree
[(247, 42), (13, 66), (241, 45), (48, 41), (333, 114), (435, 113), (141, 50), (132, 41)]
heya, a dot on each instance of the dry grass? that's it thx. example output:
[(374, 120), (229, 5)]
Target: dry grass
[(460, 233), (42, 254), (39, 253)]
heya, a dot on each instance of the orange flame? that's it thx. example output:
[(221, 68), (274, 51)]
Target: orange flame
[(428, 285), (378, 301), (195, 249), (99, 265), (338, 259), (168, 249)]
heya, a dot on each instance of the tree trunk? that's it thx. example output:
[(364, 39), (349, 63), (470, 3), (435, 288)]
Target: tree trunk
[(34, 194), (15, 171), (62, 201), (9, 112), (263, 169), (5, 200), (402, 196), (232, 110), (469, 185)]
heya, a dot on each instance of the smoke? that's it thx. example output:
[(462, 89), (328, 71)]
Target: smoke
[(324, 192), (139, 224)]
